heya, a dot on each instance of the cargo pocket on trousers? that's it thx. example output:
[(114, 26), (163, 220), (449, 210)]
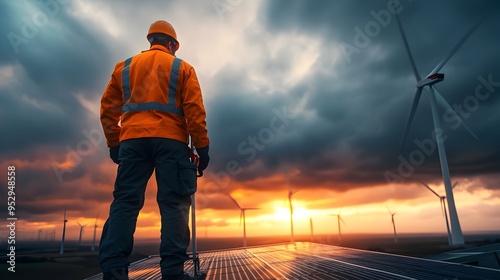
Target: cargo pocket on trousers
[(187, 178)]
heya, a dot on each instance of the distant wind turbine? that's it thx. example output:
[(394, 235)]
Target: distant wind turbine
[(442, 200), (311, 226), (290, 195), (39, 235), (339, 219), (95, 229), (242, 217), (61, 251), (81, 233), (53, 235), (457, 238), (393, 224)]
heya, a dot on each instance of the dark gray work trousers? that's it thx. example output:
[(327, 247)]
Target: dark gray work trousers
[(176, 180)]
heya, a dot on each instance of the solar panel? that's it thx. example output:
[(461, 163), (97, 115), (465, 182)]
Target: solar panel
[(309, 261)]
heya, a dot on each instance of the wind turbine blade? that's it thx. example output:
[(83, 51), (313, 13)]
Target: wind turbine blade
[(251, 208), (342, 220), (79, 224), (413, 66), (414, 105), (234, 200), (448, 108), (441, 200), (425, 185), (454, 185), (455, 49), (290, 192)]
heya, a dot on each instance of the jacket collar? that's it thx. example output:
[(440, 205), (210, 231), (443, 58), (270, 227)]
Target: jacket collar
[(157, 47)]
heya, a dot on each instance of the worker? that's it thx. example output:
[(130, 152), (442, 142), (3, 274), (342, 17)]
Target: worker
[(150, 107)]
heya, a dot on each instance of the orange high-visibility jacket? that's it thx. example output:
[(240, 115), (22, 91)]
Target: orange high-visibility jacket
[(153, 94)]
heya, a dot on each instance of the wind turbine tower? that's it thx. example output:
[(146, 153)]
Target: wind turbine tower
[(61, 251), (435, 97), (311, 227), (95, 229), (290, 195), (81, 233), (339, 219), (442, 200), (393, 225), (242, 217)]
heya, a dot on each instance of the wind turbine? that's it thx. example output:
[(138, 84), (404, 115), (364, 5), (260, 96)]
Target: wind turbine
[(39, 235), (81, 233), (61, 251), (311, 227), (290, 195), (393, 225), (442, 199), (95, 229), (432, 78), (242, 216), (339, 219)]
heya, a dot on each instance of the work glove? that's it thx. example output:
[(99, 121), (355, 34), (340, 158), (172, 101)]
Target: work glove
[(113, 154), (204, 158)]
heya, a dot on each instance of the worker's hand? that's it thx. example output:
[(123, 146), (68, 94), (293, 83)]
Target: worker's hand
[(204, 158), (113, 154)]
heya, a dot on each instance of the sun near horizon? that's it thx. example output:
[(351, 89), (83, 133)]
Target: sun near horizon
[(218, 216)]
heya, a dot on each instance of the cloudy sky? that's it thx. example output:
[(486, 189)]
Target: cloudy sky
[(313, 93)]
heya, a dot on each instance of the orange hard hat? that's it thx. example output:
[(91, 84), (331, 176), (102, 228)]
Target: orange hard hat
[(163, 27)]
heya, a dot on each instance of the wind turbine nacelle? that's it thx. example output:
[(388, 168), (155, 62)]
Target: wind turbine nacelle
[(431, 79)]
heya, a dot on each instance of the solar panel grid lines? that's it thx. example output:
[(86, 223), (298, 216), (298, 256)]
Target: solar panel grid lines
[(414, 267), (345, 258), (312, 268), (382, 263), (237, 265), (313, 261)]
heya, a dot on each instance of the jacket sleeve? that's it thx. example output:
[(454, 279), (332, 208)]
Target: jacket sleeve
[(111, 106), (194, 110)]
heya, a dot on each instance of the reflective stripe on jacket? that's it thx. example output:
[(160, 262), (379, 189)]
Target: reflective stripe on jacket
[(153, 94)]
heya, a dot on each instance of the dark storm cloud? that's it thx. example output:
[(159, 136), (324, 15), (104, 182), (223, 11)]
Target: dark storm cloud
[(54, 57), (361, 111)]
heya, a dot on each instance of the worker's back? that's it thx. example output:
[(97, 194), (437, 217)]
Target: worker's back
[(150, 76)]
